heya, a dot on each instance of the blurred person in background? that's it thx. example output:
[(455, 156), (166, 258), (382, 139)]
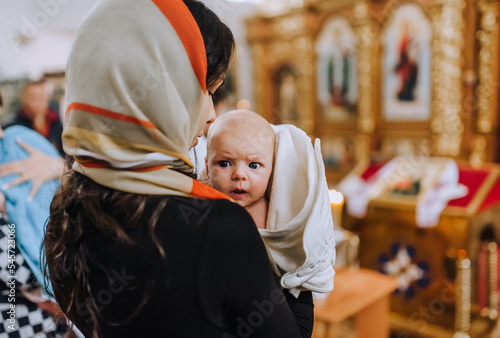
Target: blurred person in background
[(21, 230), (36, 114)]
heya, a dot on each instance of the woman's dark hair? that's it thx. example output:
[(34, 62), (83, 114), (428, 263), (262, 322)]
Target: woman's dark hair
[(218, 39), (81, 203)]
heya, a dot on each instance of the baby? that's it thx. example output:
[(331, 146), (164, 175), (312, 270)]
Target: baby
[(240, 155), (278, 176)]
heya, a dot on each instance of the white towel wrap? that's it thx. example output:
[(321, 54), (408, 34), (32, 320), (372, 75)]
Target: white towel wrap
[(299, 234)]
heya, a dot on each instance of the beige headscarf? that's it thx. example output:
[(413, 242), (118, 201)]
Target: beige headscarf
[(136, 89)]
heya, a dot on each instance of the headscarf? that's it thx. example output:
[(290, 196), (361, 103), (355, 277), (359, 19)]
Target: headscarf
[(136, 88)]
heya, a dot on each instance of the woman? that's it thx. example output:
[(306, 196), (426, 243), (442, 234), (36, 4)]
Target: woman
[(135, 247)]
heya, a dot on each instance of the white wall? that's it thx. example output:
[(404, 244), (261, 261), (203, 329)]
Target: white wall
[(233, 13), (47, 27)]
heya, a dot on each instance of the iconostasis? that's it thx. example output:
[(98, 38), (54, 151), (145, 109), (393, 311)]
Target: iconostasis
[(376, 79)]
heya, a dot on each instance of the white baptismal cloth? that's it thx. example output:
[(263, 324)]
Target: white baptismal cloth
[(438, 178), (299, 234)]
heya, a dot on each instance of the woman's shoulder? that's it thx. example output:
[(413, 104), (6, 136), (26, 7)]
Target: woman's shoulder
[(226, 215), (214, 209), (219, 217), (196, 210)]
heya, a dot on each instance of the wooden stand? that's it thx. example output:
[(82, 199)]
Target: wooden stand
[(361, 293)]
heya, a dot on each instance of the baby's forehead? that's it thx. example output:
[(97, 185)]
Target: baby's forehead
[(241, 118), (242, 140), (246, 136), (242, 121)]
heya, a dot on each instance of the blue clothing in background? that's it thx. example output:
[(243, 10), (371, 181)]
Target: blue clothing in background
[(29, 216)]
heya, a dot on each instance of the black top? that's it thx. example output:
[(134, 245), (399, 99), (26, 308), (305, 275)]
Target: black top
[(216, 280), (54, 128)]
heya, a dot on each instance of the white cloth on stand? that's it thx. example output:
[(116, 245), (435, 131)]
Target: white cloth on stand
[(299, 234), (444, 188), (358, 193), (438, 178)]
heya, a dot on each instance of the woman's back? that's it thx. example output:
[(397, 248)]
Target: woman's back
[(215, 280)]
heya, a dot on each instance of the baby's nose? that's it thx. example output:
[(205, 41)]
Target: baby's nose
[(239, 173)]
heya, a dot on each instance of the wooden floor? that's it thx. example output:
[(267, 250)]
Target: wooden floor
[(400, 328)]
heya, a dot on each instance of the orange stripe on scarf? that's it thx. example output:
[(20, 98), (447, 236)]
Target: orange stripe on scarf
[(92, 164), (202, 190), (108, 113), (199, 189), (189, 33)]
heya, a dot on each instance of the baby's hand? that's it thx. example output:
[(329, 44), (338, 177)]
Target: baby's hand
[(2, 203)]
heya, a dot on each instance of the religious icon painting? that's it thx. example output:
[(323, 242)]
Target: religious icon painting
[(407, 65), (286, 96), (337, 70)]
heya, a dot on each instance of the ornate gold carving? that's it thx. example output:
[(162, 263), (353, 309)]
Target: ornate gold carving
[(367, 33), (289, 26), (269, 57), (447, 125), (486, 36)]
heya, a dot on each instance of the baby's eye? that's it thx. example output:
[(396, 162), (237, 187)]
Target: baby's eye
[(224, 164), (254, 165)]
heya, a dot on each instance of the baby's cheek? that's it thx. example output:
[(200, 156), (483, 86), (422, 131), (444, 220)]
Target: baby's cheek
[(215, 179)]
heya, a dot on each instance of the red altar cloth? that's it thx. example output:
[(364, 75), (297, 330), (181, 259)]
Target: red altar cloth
[(470, 177)]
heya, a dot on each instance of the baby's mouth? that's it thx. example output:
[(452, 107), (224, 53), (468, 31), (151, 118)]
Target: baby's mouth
[(238, 193)]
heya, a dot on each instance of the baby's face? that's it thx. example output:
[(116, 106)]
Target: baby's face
[(239, 164)]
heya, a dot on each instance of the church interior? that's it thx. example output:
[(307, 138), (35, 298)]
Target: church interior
[(404, 96)]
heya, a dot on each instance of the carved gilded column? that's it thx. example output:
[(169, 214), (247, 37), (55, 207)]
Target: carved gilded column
[(487, 49), (258, 52), (487, 37), (447, 126), (367, 34), (493, 281), (305, 46)]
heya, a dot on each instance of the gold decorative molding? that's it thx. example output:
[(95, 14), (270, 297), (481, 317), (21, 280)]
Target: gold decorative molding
[(393, 5), (487, 38), (333, 5), (367, 32), (447, 126)]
